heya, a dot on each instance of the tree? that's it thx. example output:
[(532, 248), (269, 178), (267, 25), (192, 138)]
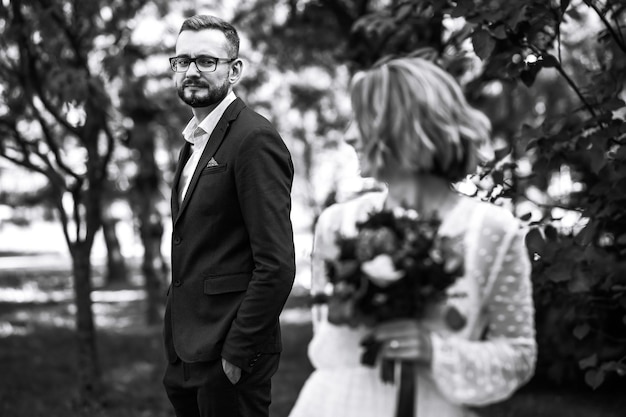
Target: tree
[(55, 120)]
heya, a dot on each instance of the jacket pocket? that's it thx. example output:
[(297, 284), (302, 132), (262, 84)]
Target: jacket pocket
[(214, 169), (222, 284)]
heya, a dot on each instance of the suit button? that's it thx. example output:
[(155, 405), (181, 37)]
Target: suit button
[(177, 283), (177, 240)]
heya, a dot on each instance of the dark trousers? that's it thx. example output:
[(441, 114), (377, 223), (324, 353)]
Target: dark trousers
[(202, 389)]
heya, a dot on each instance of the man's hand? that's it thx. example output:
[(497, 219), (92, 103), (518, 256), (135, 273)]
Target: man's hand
[(233, 373)]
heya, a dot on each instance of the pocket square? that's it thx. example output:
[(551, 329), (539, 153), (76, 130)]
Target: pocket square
[(212, 163)]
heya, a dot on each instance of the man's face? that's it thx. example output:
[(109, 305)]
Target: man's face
[(203, 89)]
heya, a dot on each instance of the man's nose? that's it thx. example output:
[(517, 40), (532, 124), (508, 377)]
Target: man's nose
[(195, 71)]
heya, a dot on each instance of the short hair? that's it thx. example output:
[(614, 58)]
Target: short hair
[(202, 21), (413, 117)]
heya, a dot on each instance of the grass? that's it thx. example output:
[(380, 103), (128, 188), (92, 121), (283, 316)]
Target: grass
[(37, 366)]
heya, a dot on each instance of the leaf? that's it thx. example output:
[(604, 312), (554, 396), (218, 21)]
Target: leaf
[(551, 233), (549, 61), (594, 378), (535, 241), (500, 32), (528, 75), (589, 362), (462, 8), (586, 235), (483, 43), (498, 177), (559, 272), (404, 11), (500, 153), (598, 159), (580, 281), (614, 366), (532, 143), (526, 216), (581, 331), (519, 17)]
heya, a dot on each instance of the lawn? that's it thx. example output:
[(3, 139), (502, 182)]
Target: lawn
[(37, 350)]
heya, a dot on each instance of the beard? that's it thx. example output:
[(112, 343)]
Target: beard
[(204, 94)]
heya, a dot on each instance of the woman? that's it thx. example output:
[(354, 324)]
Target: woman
[(417, 134)]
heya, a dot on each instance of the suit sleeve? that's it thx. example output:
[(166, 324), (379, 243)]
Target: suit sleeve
[(263, 175)]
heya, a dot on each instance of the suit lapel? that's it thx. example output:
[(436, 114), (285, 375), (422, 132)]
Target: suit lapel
[(216, 139), (185, 152)]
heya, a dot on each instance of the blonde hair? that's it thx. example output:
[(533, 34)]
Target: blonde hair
[(413, 117)]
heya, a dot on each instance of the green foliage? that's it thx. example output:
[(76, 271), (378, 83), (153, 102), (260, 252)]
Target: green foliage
[(560, 72)]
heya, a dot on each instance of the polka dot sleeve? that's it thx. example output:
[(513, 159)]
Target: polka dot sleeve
[(480, 372)]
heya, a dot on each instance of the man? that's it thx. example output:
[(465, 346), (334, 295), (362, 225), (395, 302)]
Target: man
[(232, 240)]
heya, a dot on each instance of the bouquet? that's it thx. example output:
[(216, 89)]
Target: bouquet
[(394, 268)]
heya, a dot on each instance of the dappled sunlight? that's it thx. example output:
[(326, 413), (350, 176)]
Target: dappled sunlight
[(26, 320), (122, 316), (9, 329), (33, 294), (117, 296), (126, 374), (297, 315)]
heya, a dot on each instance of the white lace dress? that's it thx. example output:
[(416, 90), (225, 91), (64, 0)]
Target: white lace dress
[(482, 363)]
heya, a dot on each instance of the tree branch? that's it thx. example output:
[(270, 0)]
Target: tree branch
[(341, 12), (607, 24), (53, 146), (73, 38), (24, 163), (569, 80), (612, 7), (109, 152), (550, 206), (76, 198), (28, 64)]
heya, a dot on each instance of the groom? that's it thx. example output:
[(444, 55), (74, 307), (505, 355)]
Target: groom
[(232, 240)]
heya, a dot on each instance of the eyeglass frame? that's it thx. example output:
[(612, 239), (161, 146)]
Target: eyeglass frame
[(193, 61)]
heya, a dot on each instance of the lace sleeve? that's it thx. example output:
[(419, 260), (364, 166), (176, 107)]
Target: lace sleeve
[(480, 372)]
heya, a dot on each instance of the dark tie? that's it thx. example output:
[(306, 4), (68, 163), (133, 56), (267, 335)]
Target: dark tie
[(184, 176)]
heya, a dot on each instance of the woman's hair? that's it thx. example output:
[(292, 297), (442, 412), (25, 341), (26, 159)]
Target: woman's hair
[(414, 118)]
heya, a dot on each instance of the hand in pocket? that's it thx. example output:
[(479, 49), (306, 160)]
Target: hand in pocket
[(233, 373)]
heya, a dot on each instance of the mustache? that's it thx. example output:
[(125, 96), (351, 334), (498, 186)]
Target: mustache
[(194, 83)]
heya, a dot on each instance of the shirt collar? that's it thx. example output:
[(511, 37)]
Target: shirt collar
[(207, 125)]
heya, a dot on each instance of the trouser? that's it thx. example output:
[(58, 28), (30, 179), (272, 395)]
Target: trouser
[(202, 389)]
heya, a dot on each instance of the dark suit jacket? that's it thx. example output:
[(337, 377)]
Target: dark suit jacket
[(232, 245)]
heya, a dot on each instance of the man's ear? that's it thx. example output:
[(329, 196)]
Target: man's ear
[(236, 70)]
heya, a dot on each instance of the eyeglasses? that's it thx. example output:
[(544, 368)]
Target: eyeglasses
[(203, 63)]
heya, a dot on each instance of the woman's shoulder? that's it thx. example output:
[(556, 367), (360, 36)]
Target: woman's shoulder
[(496, 219), (343, 217)]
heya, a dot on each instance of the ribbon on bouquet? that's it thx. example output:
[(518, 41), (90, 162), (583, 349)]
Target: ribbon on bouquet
[(406, 389), (401, 372)]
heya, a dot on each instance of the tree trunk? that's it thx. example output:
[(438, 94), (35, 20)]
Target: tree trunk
[(116, 271), (153, 265), (87, 360), (146, 196)]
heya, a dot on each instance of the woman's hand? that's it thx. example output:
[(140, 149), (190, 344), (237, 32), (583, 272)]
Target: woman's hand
[(404, 340)]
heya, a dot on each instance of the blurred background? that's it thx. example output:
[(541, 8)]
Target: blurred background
[(90, 128)]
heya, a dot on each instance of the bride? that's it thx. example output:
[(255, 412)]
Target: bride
[(415, 131)]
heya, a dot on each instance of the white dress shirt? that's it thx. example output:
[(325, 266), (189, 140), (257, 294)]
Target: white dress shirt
[(198, 135)]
